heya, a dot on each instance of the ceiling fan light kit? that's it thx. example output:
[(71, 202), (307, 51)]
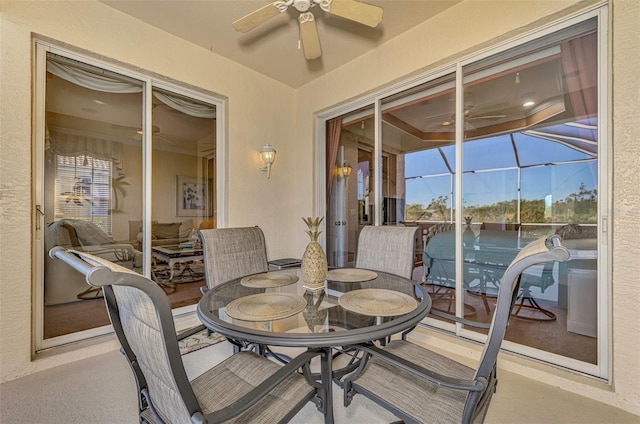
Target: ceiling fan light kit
[(353, 10)]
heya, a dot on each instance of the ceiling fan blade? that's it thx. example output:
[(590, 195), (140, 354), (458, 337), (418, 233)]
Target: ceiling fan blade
[(252, 20), (309, 36), (164, 140), (486, 117), (363, 13)]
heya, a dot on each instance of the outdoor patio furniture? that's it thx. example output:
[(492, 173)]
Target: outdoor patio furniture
[(243, 388), (419, 385)]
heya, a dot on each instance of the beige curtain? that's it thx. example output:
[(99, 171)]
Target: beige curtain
[(334, 129), (580, 63)]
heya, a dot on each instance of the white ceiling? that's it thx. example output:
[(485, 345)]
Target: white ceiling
[(272, 48)]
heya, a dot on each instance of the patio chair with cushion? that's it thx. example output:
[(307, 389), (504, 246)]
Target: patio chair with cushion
[(388, 249), (243, 388), (421, 386), (230, 253)]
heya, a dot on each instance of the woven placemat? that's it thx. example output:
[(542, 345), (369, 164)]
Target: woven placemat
[(377, 302), (269, 279), (266, 306), (351, 275)]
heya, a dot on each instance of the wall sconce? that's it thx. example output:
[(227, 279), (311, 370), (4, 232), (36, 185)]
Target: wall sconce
[(267, 156), (343, 171)]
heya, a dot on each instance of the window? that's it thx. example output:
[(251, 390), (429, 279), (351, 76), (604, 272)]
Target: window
[(502, 149), (84, 190)]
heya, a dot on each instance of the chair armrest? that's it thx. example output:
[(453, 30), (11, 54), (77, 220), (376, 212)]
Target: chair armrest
[(110, 248), (477, 385), (256, 394), (464, 321)]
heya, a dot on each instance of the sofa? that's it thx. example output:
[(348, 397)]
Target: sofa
[(62, 284), (162, 234)]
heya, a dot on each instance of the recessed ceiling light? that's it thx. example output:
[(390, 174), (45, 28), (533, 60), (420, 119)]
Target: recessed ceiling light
[(100, 102), (529, 103), (446, 123)]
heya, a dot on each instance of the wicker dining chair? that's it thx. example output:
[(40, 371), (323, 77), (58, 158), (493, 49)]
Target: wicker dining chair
[(421, 386), (243, 388)]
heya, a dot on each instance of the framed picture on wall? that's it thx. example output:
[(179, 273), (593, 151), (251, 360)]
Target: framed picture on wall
[(192, 196)]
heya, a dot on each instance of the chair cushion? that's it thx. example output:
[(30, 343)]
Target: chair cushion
[(239, 374), (401, 389)]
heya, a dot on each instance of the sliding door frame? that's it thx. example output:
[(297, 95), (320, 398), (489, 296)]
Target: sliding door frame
[(602, 369), (41, 48)]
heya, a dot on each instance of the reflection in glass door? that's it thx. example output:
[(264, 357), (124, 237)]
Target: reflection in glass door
[(350, 190), (92, 185), (92, 176), (183, 181), (530, 170), (418, 176)]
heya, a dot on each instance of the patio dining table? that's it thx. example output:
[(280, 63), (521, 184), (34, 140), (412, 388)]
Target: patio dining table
[(277, 308)]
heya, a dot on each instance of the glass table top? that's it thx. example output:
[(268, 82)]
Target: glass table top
[(288, 314)]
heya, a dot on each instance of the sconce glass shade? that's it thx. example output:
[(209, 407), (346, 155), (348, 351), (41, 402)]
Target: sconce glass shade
[(344, 170), (267, 156)]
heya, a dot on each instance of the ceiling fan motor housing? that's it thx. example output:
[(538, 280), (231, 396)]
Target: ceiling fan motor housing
[(302, 5)]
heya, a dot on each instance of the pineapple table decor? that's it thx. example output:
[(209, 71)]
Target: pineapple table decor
[(314, 261)]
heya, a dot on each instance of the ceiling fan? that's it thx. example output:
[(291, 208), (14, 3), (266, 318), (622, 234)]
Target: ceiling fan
[(353, 10), (136, 133), (469, 117), (483, 111)]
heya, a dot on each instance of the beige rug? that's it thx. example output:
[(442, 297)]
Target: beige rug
[(199, 341)]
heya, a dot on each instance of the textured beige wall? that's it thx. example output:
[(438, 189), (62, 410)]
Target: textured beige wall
[(625, 210), (253, 120), (92, 26), (469, 27)]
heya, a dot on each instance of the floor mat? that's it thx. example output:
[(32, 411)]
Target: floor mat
[(199, 341), (182, 273)]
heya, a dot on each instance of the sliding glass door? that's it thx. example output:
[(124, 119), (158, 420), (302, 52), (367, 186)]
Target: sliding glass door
[(486, 156), (92, 181), (126, 170)]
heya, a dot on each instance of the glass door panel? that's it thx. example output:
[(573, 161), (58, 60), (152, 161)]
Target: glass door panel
[(92, 185), (350, 183), (183, 192), (530, 170), (418, 175)]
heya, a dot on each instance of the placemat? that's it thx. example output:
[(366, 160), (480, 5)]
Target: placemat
[(351, 275), (269, 279), (377, 302), (266, 306)]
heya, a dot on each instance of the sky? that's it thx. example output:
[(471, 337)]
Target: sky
[(491, 170)]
